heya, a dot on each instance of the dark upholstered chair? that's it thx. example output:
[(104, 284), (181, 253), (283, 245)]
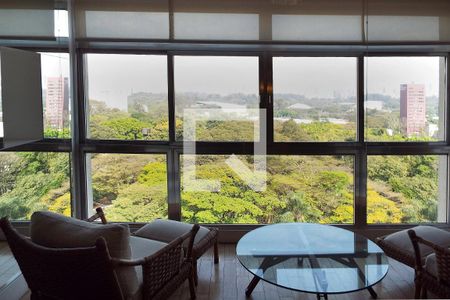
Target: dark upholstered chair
[(102, 270), (433, 273)]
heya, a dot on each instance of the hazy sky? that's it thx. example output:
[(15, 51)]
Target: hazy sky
[(111, 78)]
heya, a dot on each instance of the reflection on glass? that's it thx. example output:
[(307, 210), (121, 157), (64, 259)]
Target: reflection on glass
[(314, 99), (299, 189), (220, 90), (129, 187), (32, 181), (404, 98), (409, 188), (127, 96)]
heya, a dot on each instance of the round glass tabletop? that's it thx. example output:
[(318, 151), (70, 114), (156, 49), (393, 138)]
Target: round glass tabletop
[(312, 258)]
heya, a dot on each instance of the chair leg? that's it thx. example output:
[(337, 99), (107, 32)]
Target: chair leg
[(194, 272), (34, 296), (192, 287), (216, 252), (423, 293), (418, 288)]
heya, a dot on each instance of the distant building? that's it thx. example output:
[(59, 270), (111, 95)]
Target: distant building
[(56, 101), (412, 108), (373, 104)]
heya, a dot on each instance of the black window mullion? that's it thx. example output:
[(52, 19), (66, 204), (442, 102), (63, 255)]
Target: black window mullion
[(360, 165), (78, 129), (173, 186), (171, 97), (266, 93), (360, 100), (360, 190), (447, 106)]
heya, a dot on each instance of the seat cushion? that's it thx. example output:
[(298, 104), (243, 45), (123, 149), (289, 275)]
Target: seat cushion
[(401, 241), (140, 248), (430, 264), (168, 230), (57, 231)]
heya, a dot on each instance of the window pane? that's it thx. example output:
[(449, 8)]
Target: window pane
[(56, 94), (404, 98), (129, 187), (314, 99), (127, 96), (31, 181), (222, 93), (411, 189), (299, 189)]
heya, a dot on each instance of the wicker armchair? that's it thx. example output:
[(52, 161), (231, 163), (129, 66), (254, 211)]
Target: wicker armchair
[(88, 273), (434, 274), (207, 241), (78, 273)]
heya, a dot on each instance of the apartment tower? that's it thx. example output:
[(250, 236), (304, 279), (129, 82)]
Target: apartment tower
[(57, 101), (412, 109)]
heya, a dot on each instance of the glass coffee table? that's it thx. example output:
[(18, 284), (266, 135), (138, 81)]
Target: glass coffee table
[(312, 258)]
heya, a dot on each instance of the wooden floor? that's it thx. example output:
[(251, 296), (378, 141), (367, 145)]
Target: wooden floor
[(9, 269), (228, 280)]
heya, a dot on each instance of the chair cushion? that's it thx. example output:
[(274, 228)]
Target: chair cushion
[(140, 248), (57, 231), (168, 230), (430, 264), (401, 240)]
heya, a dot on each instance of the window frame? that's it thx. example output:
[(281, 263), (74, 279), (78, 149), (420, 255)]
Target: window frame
[(78, 146)]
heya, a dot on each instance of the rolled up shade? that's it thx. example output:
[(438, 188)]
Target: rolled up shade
[(131, 19), (408, 21), (346, 21), (27, 18)]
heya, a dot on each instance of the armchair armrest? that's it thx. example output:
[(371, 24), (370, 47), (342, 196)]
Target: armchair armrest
[(99, 215), (165, 269)]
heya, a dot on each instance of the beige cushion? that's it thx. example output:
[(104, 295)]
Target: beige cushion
[(168, 230), (435, 235), (430, 264), (141, 248), (57, 231)]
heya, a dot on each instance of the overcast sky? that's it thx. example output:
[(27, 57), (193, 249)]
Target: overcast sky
[(111, 78)]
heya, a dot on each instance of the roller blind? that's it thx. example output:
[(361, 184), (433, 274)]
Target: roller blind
[(217, 19), (27, 18), (317, 20), (354, 21), (408, 21), (131, 19)]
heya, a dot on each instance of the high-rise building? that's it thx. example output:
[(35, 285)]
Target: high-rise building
[(56, 101), (412, 108)]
